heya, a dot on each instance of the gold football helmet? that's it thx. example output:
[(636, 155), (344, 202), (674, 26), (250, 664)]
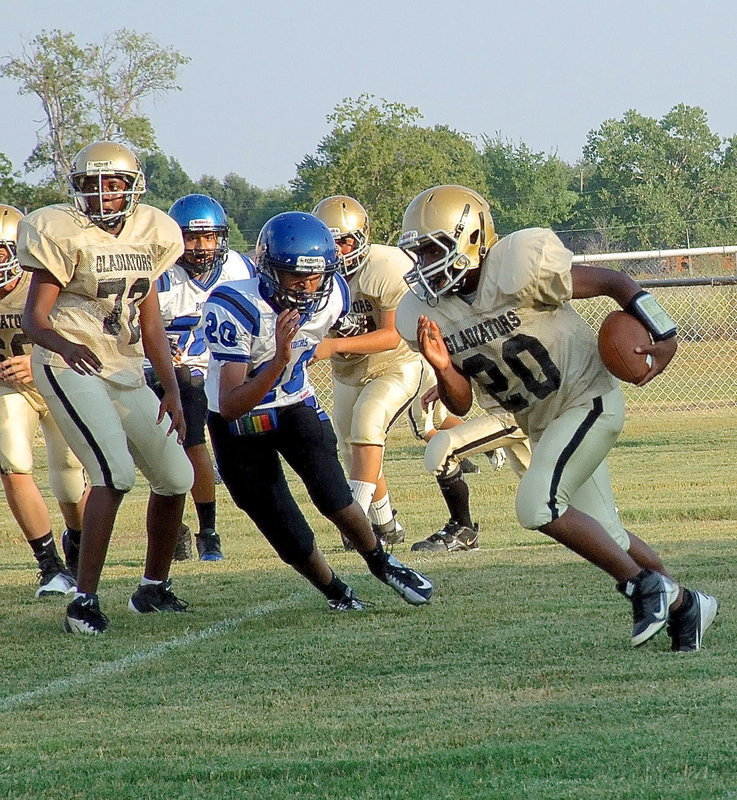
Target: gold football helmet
[(447, 230), (346, 217), (97, 161), (9, 268)]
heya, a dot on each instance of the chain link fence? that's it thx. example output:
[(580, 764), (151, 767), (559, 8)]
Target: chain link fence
[(703, 374)]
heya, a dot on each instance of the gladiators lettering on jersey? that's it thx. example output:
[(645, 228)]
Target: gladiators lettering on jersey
[(121, 262), (485, 331), (13, 342), (10, 321)]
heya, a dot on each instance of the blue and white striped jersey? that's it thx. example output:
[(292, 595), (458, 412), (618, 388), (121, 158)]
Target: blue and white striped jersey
[(240, 325)]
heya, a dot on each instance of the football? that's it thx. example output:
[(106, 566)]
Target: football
[(619, 334)]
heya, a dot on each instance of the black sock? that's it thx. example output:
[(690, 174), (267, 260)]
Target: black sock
[(686, 602), (206, 515), (335, 589), (44, 547), (74, 536), (375, 560), (455, 493)]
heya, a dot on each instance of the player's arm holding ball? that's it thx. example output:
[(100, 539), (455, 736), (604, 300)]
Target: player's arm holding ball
[(595, 281)]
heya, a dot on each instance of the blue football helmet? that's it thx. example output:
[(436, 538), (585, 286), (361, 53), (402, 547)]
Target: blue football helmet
[(301, 244), (198, 213)]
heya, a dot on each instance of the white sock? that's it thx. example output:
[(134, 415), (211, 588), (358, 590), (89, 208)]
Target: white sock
[(380, 512), (363, 493), (148, 582)]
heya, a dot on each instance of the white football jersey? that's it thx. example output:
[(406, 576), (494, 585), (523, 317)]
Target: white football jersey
[(240, 325), (182, 298), (519, 339)]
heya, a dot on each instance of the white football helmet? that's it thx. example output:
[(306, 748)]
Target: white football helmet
[(345, 217), (447, 231), (9, 268), (99, 160)]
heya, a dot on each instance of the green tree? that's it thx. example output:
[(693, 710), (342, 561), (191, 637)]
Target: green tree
[(268, 204), (8, 180), (90, 92), (379, 154), (658, 183), (53, 68), (23, 196), (525, 188), (166, 180), (248, 205), (236, 240), (126, 68)]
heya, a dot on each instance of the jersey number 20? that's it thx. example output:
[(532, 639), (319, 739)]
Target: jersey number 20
[(496, 383)]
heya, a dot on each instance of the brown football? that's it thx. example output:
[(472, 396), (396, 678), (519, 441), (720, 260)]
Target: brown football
[(619, 334)]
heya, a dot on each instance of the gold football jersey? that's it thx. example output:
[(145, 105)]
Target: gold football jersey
[(520, 341), (378, 286), (104, 278), (13, 342)]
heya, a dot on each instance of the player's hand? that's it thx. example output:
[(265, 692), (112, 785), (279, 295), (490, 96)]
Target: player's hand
[(171, 404), (324, 350), (429, 399), (661, 353), (287, 325), (16, 371), (432, 345), (80, 358), (176, 352)]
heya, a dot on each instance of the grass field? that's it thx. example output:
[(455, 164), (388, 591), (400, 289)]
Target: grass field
[(517, 681)]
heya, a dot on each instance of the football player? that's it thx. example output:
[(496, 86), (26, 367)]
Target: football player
[(92, 312), (495, 316), (375, 374), (183, 289), (22, 411), (262, 333)]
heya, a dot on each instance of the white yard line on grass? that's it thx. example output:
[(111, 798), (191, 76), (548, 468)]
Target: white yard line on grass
[(140, 657)]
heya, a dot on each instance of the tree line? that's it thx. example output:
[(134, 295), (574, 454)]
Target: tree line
[(641, 183)]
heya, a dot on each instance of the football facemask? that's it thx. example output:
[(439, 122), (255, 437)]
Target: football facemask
[(9, 267), (104, 160), (346, 217)]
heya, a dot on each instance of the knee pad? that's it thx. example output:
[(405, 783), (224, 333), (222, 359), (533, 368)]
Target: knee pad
[(438, 454), (178, 478), (532, 506)]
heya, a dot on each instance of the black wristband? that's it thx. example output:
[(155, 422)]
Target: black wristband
[(644, 307)]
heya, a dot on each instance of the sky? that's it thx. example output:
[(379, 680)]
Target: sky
[(265, 74)]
